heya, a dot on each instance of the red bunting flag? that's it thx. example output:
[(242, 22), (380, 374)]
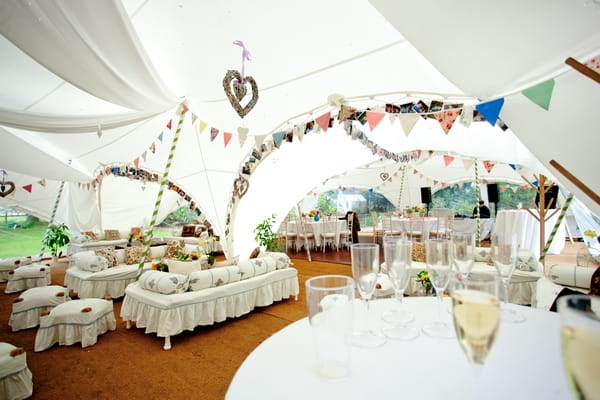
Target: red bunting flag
[(374, 118), (323, 121), (28, 187), (446, 119), (488, 166), (448, 160), (169, 125), (226, 138), (136, 162)]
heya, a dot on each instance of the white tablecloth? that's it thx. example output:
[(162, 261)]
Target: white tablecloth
[(319, 227), (525, 363), (470, 225), (528, 230)]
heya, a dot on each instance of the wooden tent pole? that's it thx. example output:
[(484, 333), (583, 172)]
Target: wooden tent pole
[(589, 192)]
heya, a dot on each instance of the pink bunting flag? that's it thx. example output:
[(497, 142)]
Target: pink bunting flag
[(323, 121), (374, 118), (169, 125), (214, 132), (446, 119), (226, 138), (448, 160), (136, 162), (28, 187), (153, 147), (389, 179), (185, 108), (488, 165), (418, 154), (42, 182)]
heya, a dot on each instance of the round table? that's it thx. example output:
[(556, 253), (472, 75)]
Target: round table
[(525, 363)]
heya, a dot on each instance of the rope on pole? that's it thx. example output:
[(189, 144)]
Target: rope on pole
[(45, 239), (563, 212), (477, 198)]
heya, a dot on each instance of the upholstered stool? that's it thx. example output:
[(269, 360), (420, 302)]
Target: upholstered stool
[(15, 377), (27, 307), (9, 264), (75, 321), (28, 276)]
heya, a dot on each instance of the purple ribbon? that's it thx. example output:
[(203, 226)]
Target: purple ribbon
[(245, 55)]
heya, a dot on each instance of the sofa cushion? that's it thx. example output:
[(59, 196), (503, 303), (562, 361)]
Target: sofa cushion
[(282, 260), (158, 252), (214, 277), (482, 254), (571, 275), (174, 247), (164, 282), (89, 261), (112, 234), (183, 267), (256, 266), (109, 254), (133, 255), (526, 261)]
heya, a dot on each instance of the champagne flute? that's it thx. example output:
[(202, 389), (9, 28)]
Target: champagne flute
[(580, 331), (438, 262), (463, 251), (398, 257), (365, 270), (504, 255)]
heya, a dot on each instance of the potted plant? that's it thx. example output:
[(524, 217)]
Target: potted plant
[(266, 238), (56, 239)]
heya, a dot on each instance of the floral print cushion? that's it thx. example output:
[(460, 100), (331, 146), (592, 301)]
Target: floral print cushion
[(109, 253), (214, 277), (133, 255), (164, 282), (175, 247)]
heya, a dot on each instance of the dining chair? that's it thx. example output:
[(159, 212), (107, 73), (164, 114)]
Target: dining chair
[(346, 234), (377, 233), (306, 237), (444, 224), (288, 232), (329, 235), (388, 226), (417, 229)]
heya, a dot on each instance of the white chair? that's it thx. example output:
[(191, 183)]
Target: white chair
[(28, 276), (346, 234), (388, 227), (27, 307), (444, 223), (330, 235), (15, 377), (306, 238)]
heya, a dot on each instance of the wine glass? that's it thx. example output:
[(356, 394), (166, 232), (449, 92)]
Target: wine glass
[(463, 251), (504, 255), (397, 252), (438, 262), (365, 270), (580, 331)]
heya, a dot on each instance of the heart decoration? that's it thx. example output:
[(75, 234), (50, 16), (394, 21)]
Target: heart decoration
[(241, 186), (384, 176), (4, 191), (235, 89)]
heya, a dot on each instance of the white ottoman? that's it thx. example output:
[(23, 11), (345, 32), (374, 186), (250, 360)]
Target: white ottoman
[(28, 276), (9, 264), (27, 307), (75, 321), (15, 377)]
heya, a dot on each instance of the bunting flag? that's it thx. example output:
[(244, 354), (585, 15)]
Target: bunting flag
[(201, 126), (144, 155), (194, 118), (446, 119), (259, 139), (169, 125), (242, 135), (513, 166), (488, 165), (448, 160), (42, 182), (214, 132), (299, 131), (466, 116), (28, 187), (540, 94), (136, 162), (226, 138), (374, 118), (160, 137), (408, 122), (153, 148), (467, 163), (323, 121), (277, 138), (491, 110)]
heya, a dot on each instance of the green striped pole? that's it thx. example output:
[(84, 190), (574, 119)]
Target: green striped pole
[(477, 198), (44, 240), (163, 183), (563, 212), (401, 188)]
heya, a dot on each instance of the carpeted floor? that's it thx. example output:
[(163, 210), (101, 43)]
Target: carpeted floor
[(128, 364)]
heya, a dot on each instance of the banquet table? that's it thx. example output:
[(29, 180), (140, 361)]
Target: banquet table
[(528, 230), (319, 227), (400, 224), (525, 363)]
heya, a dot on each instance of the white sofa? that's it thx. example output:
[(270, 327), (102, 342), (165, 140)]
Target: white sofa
[(206, 297), (102, 282)]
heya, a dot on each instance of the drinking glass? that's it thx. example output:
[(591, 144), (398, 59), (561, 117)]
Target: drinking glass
[(438, 262), (463, 251), (397, 252), (476, 316), (365, 269), (580, 331), (504, 252)]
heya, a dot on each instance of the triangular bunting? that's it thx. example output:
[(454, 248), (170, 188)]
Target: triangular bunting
[(258, 140), (408, 122), (214, 132), (144, 155), (169, 125), (299, 131), (185, 108), (277, 138), (136, 162), (226, 138), (242, 135), (491, 110), (374, 119), (448, 160), (42, 182), (323, 121), (488, 165), (160, 137), (392, 118), (194, 118), (513, 166), (446, 119), (201, 126), (28, 187), (468, 164), (466, 116), (540, 94), (153, 148)]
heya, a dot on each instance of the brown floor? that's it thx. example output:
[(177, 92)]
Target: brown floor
[(128, 364)]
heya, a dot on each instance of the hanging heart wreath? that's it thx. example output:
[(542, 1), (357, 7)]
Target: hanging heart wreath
[(4, 190), (236, 89), (240, 186), (384, 176)]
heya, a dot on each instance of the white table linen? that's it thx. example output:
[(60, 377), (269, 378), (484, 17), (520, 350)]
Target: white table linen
[(527, 229), (525, 363), (319, 227)]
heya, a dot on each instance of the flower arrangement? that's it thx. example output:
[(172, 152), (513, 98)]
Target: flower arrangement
[(417, 209), (590, 233), (135, 237), (160, 266), (312, 213), (423, 279)]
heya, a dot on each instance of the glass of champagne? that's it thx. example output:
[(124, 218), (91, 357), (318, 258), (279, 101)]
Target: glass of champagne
[(580, 331), (365, 270), (476, 316), (463, 252), (504, 251), (397, 252), (438, 262)]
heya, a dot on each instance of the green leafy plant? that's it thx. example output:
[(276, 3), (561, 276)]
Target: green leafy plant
[(264, 235), (423, 279), (56, 239)]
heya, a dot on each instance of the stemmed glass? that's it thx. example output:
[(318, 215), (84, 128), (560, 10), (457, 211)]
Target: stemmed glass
[(438, 261), (365, 269), (463, 252), (397, 252), (504, 255)]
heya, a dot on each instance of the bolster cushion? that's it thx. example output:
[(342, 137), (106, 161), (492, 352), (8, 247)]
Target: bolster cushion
[(164, 282)]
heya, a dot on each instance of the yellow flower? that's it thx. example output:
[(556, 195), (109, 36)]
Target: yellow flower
[(590, 233)]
